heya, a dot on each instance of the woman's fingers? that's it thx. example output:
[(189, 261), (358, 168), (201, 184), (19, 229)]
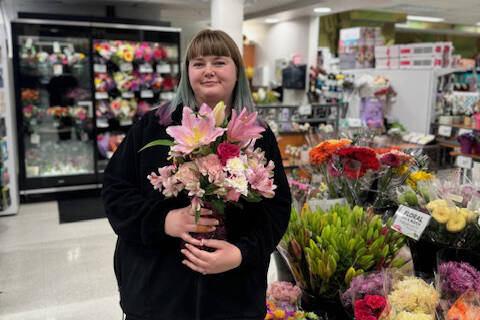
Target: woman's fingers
[(198, 262), (188, 238), (208, 221), (203, 211), (192, 266)]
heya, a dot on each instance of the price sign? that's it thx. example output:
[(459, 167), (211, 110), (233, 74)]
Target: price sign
[(146, 94), (101, 95), (146, 68), (35, 138), (126, 122), (128, 95), (463, 162), (163, 68), (175, 68), (100, 68), (126, 67), (354, 122), (166, 95), (410, 222), (102, 123), (464, 131), (28, 43), (57, 69), (305, 109), (445, 131), (56, 47)]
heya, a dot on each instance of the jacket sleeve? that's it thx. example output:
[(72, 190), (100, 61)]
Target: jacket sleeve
[(133, 216), (271, 222)]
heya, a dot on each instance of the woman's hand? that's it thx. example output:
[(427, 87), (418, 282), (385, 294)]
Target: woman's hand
[(224, 258), (180, 222)]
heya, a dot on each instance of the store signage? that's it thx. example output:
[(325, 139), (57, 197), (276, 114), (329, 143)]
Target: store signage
[(101, 95), (445, 131), (35, 138), (146, 94), (164, 68), (463, 162), (28, 43), (126, 67), (166, 95), (146, 68), (100, 68), (128, 95), (305, 109), (126, 122), (410, 222), (102, 123), (56, 47), (354, 122), (464, 131), (175, 68)]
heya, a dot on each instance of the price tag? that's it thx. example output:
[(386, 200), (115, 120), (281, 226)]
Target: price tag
[(84, 103), (146, 94), (128, 95), (305, 109), (126, 122), (175, 68), (354, 122), (100, 68), (57, 69), (101, 95), (445, 131), (35, 138), (28, 43), (410, 222), (464, 131), (163, 68), (146, 68), (463, 162), (102, 123), (126, 67), (56, 47)]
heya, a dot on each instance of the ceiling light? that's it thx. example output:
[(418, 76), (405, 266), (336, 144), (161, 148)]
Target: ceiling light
[(272, 20), (426, 19), (322, 10)]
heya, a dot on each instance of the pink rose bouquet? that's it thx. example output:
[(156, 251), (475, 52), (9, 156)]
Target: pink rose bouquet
[(214, 160)]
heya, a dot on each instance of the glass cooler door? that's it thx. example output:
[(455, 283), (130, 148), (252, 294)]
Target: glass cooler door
[(54, 108)]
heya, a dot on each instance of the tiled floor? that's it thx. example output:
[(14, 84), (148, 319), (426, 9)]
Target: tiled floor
[(52, 271)]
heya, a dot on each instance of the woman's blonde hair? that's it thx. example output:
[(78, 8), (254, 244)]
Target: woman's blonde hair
[(213, 43)]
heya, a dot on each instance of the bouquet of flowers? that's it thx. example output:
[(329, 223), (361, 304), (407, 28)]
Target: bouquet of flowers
[(467, 307), (123, 109), (29, 96), (361, 286), (214, 160), (299, 191), (277, 313), (58, 112), (284, 294)]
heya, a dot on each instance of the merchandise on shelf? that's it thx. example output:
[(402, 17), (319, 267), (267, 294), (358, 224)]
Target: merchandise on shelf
[(426, 55), (356, 47)]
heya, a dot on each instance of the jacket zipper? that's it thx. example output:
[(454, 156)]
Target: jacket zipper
[(197, 304)]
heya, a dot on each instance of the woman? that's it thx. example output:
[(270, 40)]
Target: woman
[(157, 277)]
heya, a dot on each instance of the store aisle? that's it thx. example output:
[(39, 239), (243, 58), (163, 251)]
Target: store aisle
[(51, 271)]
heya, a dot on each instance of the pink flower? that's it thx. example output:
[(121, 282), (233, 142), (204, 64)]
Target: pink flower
[(242, 128), (259, 179), (391, 160), (209, 165), (187, 173), (194, 132), (332, 170), (232, 195), (227, 151), (196, 204)]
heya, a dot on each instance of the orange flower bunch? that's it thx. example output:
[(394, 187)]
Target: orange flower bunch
[(57, 111), (30, 94), (386, 150), (324, 150)]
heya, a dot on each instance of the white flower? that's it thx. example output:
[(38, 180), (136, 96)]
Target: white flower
[(239, 183), (235, 166)]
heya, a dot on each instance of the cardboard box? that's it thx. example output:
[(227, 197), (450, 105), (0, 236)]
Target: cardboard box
[(387, 63), (353, 39), (421, 62), (387, 51)]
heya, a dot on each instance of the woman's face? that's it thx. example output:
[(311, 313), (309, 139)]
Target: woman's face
[(212, 79)]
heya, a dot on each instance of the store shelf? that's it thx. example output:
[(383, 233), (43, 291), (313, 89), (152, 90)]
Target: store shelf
[(473, 156), (449, 145)]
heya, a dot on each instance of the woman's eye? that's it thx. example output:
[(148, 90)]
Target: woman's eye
[(198, 64), (219, 63)]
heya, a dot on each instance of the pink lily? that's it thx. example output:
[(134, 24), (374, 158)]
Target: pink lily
[(242, 128), (195, 131)]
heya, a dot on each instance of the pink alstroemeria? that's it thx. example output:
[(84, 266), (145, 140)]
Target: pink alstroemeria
[(196, 204), (242, 128), (195, 131), (259, 179)]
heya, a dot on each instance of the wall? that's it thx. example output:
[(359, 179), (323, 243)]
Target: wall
[(280, 40)]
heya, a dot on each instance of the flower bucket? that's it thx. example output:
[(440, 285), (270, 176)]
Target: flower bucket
[(325, 204), (331, 309)]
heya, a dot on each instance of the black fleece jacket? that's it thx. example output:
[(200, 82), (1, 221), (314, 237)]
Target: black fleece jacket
[(152, 281)]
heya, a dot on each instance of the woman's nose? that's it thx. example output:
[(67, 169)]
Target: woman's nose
[(208, 70)]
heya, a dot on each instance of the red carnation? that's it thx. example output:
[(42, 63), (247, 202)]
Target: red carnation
[(376, 302), (227, 151)]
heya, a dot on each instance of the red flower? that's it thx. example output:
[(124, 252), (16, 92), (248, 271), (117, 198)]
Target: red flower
[(376, 302), (227, 151), (357, 161), (391, 160)]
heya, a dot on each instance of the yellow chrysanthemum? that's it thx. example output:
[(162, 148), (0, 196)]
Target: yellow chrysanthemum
[(413, 178), (456, 223), (400, 171), (442, 214), (469, 215), (278, 314), (432, 205)]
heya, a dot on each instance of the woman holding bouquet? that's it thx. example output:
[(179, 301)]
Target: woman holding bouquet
[(158, 277)]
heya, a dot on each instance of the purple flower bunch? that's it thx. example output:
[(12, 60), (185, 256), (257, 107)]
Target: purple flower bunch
[(458, 277), (364, 284)]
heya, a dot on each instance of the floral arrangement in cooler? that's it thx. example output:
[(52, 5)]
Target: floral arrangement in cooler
[(58, 112), (142, 108), (277, 313), (369, 307), (32, 57), (128, 51), (103, 82), (123, 109), (125, 82), (78, 113), (214, 160), (467, 307), (411, 298), (78, 94), (32, 111), (102, 109), (29, 96), (265, 97), (326, 249)]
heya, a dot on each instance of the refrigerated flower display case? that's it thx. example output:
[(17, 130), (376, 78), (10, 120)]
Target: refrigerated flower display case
[(79, 88)]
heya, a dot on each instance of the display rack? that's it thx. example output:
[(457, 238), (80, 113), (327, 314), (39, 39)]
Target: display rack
[(9, 199)]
